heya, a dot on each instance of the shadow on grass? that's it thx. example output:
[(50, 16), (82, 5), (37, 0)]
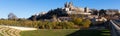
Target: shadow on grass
[(90, 33)]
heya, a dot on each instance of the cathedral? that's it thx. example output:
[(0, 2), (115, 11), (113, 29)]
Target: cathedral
[(70, 9)]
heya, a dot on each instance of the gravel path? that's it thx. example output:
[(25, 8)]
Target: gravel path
[(13, 30)]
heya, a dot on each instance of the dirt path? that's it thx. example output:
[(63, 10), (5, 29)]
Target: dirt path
[(13, 30)]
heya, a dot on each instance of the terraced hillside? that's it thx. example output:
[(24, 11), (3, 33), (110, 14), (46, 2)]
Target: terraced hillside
[(6, 31)]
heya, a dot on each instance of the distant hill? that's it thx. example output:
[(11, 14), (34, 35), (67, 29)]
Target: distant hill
[(59, 12)]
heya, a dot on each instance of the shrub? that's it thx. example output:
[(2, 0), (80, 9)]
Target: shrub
[(48, 25), (86, 23), (77, 21), (65, 25)]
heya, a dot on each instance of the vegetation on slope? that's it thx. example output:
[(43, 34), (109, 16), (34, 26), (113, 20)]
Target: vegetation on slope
[(77, 23)]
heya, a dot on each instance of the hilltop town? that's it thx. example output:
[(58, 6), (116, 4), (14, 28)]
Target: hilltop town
[(70, 20), (65, 13)]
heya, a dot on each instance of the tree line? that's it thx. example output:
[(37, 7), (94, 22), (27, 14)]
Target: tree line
[(76, 23)]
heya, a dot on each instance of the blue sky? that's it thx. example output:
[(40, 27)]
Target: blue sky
[(26, 8)]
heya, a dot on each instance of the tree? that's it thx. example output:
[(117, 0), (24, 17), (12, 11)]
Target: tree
[(86, 23), (33, 17), (69, 25), (12, 16), (102, 12), (94, 11), (77, 21)]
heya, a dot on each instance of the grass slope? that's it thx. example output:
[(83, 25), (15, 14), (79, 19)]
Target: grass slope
[(63, 32)]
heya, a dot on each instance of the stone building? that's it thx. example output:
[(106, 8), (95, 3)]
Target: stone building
[(70, 9)]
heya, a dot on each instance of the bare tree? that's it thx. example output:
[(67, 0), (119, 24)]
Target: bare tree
[(12, 16)]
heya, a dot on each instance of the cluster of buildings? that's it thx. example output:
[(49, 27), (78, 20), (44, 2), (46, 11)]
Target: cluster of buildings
[(71, 9)]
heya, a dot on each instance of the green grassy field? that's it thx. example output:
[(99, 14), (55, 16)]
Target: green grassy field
[(66, 33)]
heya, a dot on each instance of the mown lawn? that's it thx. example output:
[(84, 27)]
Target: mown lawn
[(68, 32)]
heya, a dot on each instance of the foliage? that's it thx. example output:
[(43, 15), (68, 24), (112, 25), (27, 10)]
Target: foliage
[(102, 12), (47, 24), (94, 11), (77, 21), (65, 25), (59, 12), (86, 23), (12, 16)]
